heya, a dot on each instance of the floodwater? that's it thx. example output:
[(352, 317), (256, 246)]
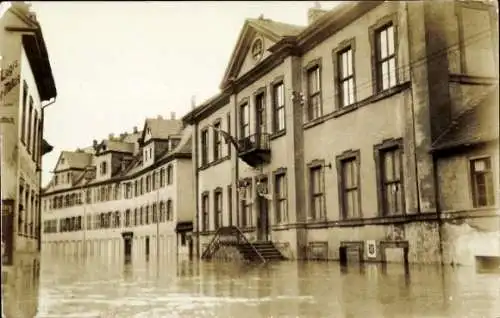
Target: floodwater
[(98, 287)]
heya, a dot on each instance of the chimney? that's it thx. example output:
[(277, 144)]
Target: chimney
[(315, 13), (193, 102), (159, 117), (94, 144), (135, 130), (172, 115)]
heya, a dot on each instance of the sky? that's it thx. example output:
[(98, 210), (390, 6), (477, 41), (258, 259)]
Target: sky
[(116, 63)]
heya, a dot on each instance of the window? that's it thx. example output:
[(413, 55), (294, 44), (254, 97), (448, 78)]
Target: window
[(230, 204), (162, 211), (155, 213), (23, 114), (317, 187), (385, 57), (204, 147), (127, 218), (280, 190), (162, 177), (217, 142), (34, 150), (260, 112), (170, 210), (392, 175), (117, 219), (148, 183), (136, 217), (257, 49), (279, 107), (244, 121), (483, 193), (349, 186), (228, 142), (204, 212), (314, 92), (104, 168), (246, 208), (346, 77), (170, 173), (153, 180), (217, 209), (30, 114)]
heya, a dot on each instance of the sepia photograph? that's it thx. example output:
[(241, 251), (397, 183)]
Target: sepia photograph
[(250, 159)]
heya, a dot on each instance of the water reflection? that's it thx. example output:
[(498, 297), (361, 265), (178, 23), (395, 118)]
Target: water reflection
[(20, 289), (104, 287)]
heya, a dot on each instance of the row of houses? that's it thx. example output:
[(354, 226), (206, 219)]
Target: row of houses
[(357, 132)]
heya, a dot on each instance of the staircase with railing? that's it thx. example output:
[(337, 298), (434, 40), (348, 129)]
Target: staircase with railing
[(234, 237)]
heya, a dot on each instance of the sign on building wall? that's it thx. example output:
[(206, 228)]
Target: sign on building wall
[(7, 231)]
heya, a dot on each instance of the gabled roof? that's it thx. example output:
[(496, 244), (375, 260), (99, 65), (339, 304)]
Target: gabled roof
[(161, 128), (76, 159), (477, 124), (275, 31)]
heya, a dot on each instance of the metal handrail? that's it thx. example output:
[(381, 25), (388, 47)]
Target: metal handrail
[(248, 242), (228, 231), (255, 141)]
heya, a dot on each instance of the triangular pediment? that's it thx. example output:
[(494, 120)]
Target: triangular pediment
[(252, 47)]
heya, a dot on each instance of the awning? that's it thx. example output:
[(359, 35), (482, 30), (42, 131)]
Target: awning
[(186, 226)]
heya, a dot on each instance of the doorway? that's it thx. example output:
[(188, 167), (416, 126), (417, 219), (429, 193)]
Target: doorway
[(147, 247), (263, 214), (127, 245)]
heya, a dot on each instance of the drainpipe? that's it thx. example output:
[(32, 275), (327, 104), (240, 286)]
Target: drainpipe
[(413, 113), (236, 161), (39, 169), (197, 190)]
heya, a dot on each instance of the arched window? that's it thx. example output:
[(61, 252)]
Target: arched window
[(169, 210)]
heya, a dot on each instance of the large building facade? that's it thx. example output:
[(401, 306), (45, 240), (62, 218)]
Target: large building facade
[(27, 88), (126, 196), (333, 139)]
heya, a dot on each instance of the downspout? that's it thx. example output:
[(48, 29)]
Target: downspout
[(197, 190), (39, 170), (414, 134), (236, 161)]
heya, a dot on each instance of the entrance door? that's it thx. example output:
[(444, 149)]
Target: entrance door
[(127, 242), (263, 215), (147, 247)]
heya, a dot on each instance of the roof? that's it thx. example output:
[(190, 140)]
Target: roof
[(279, 29), (77, 159), (163, 128), (36, 51), (477, 124)]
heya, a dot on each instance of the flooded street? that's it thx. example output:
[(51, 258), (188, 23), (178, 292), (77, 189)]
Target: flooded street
[(72, 287)]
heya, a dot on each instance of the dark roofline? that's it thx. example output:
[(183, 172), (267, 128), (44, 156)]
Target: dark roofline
[(122, 178)]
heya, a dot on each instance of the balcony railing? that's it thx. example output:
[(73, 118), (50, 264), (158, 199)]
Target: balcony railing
[(260, 141)]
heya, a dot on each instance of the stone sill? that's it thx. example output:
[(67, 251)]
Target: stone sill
[(471, 213)]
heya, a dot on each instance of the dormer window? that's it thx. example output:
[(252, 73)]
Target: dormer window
[(150, 153), (104, 167)]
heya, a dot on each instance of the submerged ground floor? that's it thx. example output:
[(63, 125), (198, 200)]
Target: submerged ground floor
[(450, 239)]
